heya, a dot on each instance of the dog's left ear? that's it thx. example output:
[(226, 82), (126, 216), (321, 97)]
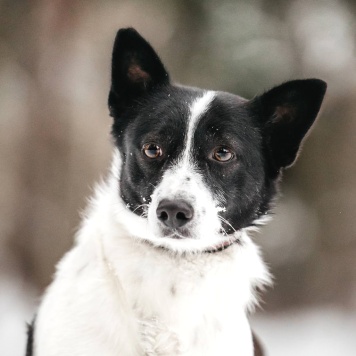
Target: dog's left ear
[(136, 69), (287, 113)]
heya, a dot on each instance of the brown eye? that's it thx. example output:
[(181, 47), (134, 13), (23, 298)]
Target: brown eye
[(223, 154), (151, 150)]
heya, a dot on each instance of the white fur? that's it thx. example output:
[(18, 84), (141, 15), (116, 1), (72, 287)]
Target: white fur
[(116, 294), (197, 109)]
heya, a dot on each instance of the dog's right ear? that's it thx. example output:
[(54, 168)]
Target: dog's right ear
[(136, 70)]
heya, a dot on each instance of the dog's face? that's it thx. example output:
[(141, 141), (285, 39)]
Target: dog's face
[(199, 166)]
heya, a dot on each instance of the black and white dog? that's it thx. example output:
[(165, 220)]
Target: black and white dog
[(163, 264)]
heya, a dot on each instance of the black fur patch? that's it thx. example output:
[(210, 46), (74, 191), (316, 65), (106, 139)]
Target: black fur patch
[(264, 133), (258, 350), (30, 335)]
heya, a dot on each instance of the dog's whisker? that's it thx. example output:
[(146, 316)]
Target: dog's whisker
[(226, 222), (141, 206)]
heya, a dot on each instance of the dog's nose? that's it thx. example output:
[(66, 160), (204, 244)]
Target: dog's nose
[(174, 213)]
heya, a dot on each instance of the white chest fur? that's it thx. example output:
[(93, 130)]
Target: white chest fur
[(187, 305), (113, 295)]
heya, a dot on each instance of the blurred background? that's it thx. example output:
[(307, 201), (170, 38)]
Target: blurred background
[(55, 144)]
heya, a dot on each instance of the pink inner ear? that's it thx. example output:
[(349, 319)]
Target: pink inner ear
[(283, 113), (136, 74)]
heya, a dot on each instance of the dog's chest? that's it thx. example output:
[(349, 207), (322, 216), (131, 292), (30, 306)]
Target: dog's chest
[(188, 307)]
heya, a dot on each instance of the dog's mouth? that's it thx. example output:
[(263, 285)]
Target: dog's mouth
[(178, 234), (214, 249), (185, 234)]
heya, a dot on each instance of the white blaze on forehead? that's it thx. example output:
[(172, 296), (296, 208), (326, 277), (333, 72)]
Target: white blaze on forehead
[(197, 110)]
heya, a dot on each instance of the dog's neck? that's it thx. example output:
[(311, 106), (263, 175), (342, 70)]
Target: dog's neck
[(182, 298)]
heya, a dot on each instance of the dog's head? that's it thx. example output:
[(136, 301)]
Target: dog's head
[(197, 166)]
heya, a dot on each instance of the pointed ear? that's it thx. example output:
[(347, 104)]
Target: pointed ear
[(287, 113), (136, 69)]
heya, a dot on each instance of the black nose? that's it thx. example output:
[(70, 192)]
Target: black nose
[(174, 213)]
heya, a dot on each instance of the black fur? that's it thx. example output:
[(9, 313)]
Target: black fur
[(264, 133), (136, 69), (30, 335), (257, 346), (287, 112)]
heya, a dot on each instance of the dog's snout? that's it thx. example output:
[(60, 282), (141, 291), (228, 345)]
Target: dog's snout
[(174, 213)]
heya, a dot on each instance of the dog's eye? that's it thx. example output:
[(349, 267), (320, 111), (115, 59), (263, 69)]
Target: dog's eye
[(223, 154), (151, 150)]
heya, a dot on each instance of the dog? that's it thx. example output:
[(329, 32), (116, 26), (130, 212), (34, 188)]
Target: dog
[(163, 264)]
